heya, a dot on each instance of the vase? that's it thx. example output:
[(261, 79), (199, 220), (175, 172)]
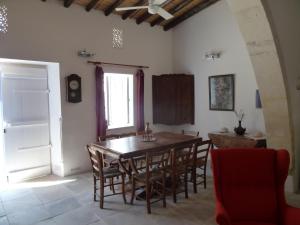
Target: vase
[(240, 130), (148, 132)]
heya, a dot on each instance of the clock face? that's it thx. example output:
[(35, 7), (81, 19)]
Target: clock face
[(74, 85)]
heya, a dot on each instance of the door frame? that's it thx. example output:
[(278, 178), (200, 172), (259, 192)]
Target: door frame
[(55, 116)]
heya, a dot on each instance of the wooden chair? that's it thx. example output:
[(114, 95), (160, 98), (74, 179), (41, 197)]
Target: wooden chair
[(192, 133), (154, 178), (109, 161), (198, 164), (181, 157), (101, 173)]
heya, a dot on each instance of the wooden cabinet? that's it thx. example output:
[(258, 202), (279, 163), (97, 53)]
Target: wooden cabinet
[(173, 99), (231, 140)]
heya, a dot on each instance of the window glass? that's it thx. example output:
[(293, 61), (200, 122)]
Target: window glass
[(118, 99)]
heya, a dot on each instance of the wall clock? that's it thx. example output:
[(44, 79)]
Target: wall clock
[(73, 83)]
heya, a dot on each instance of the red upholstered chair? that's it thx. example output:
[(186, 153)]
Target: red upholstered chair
[(249, 186)]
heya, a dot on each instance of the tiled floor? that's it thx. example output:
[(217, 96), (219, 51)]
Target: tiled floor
[(68, 201)]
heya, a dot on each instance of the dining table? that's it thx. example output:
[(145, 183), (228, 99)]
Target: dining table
[(127, 148)]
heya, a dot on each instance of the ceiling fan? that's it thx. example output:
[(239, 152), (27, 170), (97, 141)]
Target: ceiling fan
[(154, 7)]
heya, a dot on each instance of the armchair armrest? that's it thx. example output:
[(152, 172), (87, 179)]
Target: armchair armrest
[(291, 216), (222, 217)]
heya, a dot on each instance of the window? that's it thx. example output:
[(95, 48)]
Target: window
[(118, 91)]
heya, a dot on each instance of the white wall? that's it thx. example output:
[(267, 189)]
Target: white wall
[(284, 17), (46, 31), (215, 29)]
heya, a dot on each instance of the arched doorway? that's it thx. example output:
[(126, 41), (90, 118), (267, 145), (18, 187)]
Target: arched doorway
[(255, 27)]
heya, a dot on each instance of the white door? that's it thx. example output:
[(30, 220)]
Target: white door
[(25, 98)]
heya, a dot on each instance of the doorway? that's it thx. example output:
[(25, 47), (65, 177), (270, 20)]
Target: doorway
[(30, 120)]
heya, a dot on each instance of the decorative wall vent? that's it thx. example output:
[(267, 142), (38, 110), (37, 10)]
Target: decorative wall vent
[(3, 19), (117, 38)]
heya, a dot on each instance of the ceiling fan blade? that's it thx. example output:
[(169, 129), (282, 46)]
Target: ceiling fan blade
[(163, 13), (159, 2), (131, 8)]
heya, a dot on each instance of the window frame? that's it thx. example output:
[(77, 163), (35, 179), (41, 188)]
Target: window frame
[(130, 100)]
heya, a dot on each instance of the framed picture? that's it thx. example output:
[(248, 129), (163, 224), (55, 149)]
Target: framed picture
[(221, 92)]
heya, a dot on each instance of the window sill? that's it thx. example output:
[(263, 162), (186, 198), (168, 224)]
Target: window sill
[(120, 128)]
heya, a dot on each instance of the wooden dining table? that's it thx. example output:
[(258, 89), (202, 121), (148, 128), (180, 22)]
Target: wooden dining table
[(134, 146), (128, 147)]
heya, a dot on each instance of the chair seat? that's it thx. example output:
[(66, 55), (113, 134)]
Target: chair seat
[(252, 223), (156, 174), (109, 172), (110, 161)]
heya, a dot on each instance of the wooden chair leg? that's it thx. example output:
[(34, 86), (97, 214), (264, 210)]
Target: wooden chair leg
[(148, 197), (164, 191), (174, 186), (132, 191), (112, 185), (95, 188), (194, 177), (101, 193), (123, 188), (204, 178), (186, 184)]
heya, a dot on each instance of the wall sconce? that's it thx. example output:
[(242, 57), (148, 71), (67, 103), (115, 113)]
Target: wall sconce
[(212, 55), (85, 54)]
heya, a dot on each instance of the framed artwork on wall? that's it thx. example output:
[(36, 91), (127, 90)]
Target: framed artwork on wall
[(221, 92)]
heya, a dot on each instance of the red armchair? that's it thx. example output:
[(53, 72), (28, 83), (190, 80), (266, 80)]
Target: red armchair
[(249, 187)]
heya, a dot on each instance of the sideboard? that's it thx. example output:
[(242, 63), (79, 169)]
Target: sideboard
[(231, 140)]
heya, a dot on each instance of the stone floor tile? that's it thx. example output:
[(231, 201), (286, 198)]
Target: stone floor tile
[(53, 193), (69, 201), (21, 203), (80, 216), (12, 194), (30, 216), (2, 211), (47, 222), (79, 186), (62, 206), (3, 220)]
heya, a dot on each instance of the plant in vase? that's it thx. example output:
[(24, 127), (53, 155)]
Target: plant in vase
[(240, 116)]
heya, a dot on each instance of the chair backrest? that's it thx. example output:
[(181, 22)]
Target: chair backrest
[(157, 160), (201, 151), (138, 164), (250, 182), (96, 161), (189, 132), (182, 155)]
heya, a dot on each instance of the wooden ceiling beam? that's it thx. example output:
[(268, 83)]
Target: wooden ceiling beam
[(68, 3), (199, 7), (112, 7), (91, 5), (143, 17), (131, 12), (174, 10)]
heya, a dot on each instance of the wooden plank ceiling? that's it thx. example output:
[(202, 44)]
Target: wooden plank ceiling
[(181, 9)]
